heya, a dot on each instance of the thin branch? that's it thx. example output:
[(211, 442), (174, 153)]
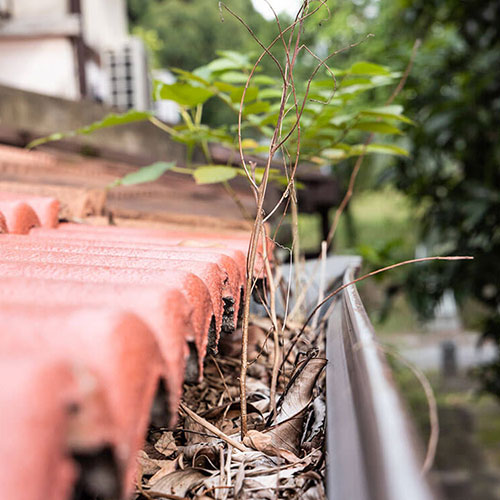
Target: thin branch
[(221, 376), (357, 280), (210, 427), (274, 320), (431, 401), (315, 71), (322, 278)]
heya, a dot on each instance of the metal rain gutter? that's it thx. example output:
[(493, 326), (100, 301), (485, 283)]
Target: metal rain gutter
[(372, 452)]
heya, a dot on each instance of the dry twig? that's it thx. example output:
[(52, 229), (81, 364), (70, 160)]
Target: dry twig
[(217, 432)]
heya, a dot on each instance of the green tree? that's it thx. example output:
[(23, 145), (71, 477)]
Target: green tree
[(191, 31), (456, 152), (453, 173)]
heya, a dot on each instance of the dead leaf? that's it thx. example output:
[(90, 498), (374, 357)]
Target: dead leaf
[(287, 433), (238, 482), (299, 391), (148, 466), (179, 482), (225, 417), (168, 467), (265, 442), (166, 444), (201, 455)]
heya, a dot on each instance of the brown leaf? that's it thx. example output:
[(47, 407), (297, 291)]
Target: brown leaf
[(299, 392), (286, 434), (168, 467), (179, 482), (148, 466), (265, 443), (238, 482), (166, 444), (201, 455)]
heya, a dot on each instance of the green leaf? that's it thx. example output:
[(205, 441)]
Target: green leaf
[(227, 63), (241, 60), (335, 154), (256, 107), (270, 93), (182, 93), (283, 181), (187, 75), (150, 173), (355, 80), (111, 120), (263, 80), (224, 87), (234, 77), (249, 144), (393, 109), (366, 68), (341, 119), (250, 95), (353, 90), (259, 173), (393, 112), (378, 127), (212, 174), (388, 149)]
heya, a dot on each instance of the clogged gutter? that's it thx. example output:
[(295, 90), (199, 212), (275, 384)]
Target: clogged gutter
[(281, 457)]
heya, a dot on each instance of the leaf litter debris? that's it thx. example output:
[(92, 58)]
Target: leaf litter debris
[(282, 455)]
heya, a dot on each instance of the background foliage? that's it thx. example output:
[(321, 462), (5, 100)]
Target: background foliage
[(453, 95)]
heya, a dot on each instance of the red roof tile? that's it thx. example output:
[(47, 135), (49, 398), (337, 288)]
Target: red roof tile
[(126, 306), (189, 284), (35, 395), (164, 309), (222, 275), (118, 348), (235, 240), (3, 223), (19, 217), (46, 209)]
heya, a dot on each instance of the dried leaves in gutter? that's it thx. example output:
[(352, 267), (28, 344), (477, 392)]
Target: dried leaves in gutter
[(282, 455)]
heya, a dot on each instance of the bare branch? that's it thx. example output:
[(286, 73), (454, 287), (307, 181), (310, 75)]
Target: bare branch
[(357, 280), (431, 401)]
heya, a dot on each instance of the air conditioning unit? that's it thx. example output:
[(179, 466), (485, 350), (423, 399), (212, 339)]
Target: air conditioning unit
[(127, 75), (5, 9)]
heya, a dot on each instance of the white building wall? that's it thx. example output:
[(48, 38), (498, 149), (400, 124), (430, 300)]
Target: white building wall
[(45, 65), (104, 23), (37, 8)]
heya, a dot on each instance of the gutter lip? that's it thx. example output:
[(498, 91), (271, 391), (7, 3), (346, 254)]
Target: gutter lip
[(372, 448)]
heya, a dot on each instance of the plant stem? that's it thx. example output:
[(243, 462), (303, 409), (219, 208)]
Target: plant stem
[(296, 241), (274, 320)]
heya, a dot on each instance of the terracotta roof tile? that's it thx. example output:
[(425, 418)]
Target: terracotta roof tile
[(164, 309), (45, 208), (125, 306), (118, 348), (3, 223), (222, 275), (20, 218), (34, 399), (235, 241)]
